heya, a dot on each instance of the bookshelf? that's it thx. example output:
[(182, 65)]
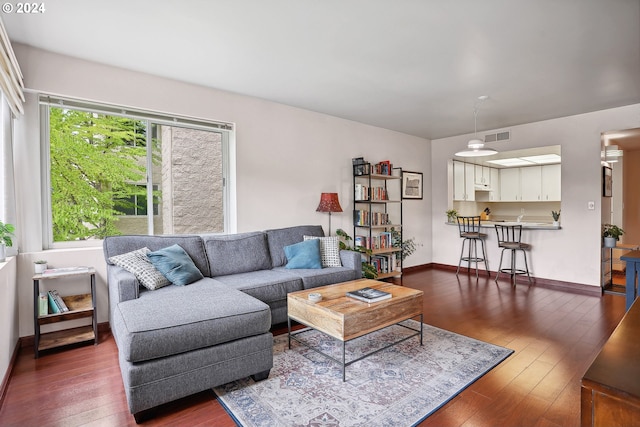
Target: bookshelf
[(377, 214), (80, 306)]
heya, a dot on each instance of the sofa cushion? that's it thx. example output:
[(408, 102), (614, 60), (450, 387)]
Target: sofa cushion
[(266, 285), (176, 265), (303, 255), (329, 250), (237, 253), (281, 237), (193, 245), (138, 263), (312, 278), (177, 319)]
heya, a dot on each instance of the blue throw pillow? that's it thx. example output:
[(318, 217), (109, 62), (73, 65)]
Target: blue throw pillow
[(304, 254), (176, 265)]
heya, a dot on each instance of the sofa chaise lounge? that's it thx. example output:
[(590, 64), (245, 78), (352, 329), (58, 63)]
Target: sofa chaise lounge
[(178, 340)]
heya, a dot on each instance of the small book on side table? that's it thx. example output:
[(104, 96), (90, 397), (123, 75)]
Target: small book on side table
[(64, 271), (369, 295)]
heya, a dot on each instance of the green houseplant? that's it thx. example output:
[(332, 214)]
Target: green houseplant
[(368, 270), (452, 214), (611, 234), (6, 234), (556, 217)]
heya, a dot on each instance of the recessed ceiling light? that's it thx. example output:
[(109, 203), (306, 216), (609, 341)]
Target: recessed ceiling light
[(511, 162), (543, 159)]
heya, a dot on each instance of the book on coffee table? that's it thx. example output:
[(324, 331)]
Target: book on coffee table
[(369, 295)]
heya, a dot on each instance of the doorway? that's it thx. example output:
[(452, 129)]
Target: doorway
[(620, 159)]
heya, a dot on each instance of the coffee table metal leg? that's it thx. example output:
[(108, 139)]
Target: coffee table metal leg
[(421, 326), (344, 366), (289, 330)]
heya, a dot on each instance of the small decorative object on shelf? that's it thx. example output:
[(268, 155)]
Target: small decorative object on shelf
[(611, 234), (39, 266), (556, 217), (452, 214)]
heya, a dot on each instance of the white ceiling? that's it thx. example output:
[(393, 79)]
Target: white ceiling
[(416, 66)]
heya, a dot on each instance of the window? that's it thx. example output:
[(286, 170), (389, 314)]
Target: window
[(108, 168)]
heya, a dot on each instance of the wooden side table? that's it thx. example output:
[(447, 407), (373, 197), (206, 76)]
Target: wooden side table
[(80, 306)]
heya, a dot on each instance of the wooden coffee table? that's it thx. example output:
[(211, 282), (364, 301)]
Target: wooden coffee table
[(345, 318)]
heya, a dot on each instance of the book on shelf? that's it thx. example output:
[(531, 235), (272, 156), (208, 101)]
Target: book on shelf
[(64, 271), (57, 301), (53, 306), (369, 295)]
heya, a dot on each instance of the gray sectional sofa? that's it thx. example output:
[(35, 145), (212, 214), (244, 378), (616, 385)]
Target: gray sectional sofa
[(179, 340)]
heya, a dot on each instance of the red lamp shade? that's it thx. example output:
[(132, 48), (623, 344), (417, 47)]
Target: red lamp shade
[(329, 203)]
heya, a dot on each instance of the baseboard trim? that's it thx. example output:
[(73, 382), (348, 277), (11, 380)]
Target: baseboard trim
[(575, 288), (9, 373)]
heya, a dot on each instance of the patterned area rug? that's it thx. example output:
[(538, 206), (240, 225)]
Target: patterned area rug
[(399, 386)]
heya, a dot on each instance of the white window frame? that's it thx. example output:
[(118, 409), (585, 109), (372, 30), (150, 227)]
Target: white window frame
[(226, 129)]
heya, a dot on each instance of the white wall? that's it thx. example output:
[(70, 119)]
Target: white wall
[(8, 313), (284, 157), (571, 254)]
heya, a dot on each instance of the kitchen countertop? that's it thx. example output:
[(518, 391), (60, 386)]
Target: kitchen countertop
[(526, 225)]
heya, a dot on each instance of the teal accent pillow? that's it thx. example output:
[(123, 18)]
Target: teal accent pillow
[(303, 255), (176, 265)]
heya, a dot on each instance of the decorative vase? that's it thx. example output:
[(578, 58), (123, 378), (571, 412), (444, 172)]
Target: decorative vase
[(3, 252), (610, 242), (40, 268), (556, 223)]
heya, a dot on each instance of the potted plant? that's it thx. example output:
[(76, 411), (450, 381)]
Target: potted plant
[(611, 234), (6, 233), (368, 270), (452, 214), (40, 266), (556, 217)]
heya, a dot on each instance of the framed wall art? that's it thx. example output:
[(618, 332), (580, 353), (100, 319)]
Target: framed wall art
[(607, 182), (412, 185)]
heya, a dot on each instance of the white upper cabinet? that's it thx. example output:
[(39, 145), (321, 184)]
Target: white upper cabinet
[(463, 181), (551, 183), (531, 184), (510, 185)]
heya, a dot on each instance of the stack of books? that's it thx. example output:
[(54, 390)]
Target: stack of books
[(56, 303), (369, 295)]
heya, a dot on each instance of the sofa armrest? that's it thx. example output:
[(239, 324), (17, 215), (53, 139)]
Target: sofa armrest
[(352, 260), (123, 285)]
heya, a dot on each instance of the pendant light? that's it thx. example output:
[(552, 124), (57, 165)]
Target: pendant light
[(475, 147)]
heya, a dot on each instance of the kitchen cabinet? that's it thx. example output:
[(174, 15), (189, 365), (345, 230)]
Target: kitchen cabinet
[(551, 183), (494, 194), (482, 176), (463, 181), (531, 184), (510, 185)]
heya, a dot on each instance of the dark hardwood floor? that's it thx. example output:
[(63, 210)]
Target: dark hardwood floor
[(555, 335)]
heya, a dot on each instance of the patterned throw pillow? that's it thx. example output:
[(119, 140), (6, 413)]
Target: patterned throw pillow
[(137, 263), (329, 250)]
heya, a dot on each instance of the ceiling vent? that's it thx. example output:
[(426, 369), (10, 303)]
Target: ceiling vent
[(500, 136)]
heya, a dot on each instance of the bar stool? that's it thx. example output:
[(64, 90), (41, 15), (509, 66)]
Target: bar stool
[(469, 228), (509, 239)]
